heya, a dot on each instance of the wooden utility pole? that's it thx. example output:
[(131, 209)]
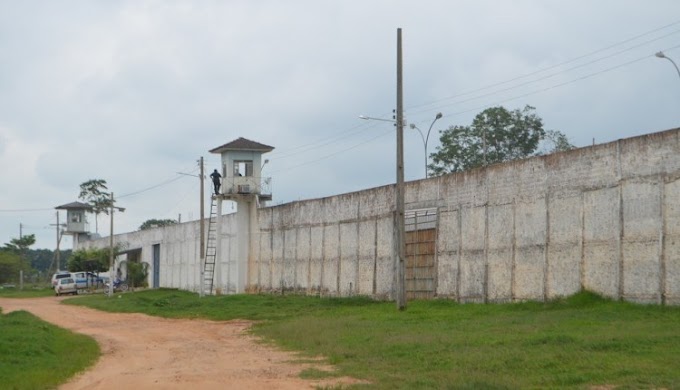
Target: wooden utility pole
[(58, 255), (202, 246), (401, 245)]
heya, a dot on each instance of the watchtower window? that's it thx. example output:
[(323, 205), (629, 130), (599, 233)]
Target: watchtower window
[(243, 168)]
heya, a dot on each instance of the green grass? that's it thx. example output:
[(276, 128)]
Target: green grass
[(37, 355), (579, 342), (27, 292)]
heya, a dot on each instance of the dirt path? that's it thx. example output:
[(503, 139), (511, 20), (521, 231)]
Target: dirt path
[(143, 352)]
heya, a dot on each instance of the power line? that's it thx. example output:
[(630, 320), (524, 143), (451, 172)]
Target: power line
[(23, 210), (564, 63), (295, 151)]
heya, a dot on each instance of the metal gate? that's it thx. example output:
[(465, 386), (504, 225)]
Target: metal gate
[(421, 245), (156, 265)]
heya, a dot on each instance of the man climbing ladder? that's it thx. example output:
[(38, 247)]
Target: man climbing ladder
[(216, 181)]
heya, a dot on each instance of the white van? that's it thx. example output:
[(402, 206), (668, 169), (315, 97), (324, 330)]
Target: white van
[(59, 275), (80, 278)]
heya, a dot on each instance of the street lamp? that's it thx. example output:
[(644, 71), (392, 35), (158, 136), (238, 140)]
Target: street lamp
[(661, 55), (427, 137), (364, 117), (111, 210)]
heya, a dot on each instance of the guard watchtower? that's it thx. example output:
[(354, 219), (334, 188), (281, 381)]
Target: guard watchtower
[(242, 182), (242, 170), (76, 220)]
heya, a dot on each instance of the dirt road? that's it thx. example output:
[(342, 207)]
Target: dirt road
[(143, 352)]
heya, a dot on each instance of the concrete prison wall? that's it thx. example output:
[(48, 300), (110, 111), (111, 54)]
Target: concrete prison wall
[(178, 264), (604, 218)]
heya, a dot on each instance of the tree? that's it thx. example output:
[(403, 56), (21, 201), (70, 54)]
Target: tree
[(94, 193), (20, 245), (10, 265), (155, 223), (496, 135), (93, 259)]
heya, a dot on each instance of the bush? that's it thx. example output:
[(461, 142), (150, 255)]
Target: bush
[(137, 274)]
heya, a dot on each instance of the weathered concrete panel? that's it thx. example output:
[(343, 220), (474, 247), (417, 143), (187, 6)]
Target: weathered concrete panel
[(265, 261), (473, 229), (447, 271), (501, 228), (289, 259), (331, 258), (529, 272), (277, 259), (650, 154), (641, 277), (601, 268), (367, 257), (448, 235), (376, 202), (385, 261), (500, 253), (564, 270), (447, 253), (349, 261), (565, 220), (671, 252), (316, 262), (641, 210), (302, 253), (601, 215), (564, 249), (500, 275), (672, 267), (530, 223), (472, 276), (671, 208)]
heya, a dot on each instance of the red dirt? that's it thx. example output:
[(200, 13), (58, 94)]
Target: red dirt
[(144, 352)]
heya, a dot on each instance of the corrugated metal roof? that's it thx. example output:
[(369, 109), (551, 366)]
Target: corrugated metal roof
[(243, 144), (74, 205)]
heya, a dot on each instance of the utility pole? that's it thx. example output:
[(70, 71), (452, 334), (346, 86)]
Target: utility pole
[(202, 230), (21, 230), (58, 239), (401, 245)]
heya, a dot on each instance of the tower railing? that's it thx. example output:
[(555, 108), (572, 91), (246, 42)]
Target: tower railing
[(247, 185)]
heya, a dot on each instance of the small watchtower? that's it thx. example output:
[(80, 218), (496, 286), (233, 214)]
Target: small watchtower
[(242, 170), (242, 182), (76, 220)]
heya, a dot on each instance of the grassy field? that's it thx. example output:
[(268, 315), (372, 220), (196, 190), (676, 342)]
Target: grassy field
[(27, 292), (37, 355), (579, 342)]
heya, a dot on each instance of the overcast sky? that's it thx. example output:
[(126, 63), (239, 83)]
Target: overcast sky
[(133, 92)]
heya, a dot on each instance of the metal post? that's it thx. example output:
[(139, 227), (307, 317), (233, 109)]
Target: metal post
[(401, 247)]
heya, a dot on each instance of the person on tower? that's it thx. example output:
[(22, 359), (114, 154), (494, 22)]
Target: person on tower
[(216, 181)]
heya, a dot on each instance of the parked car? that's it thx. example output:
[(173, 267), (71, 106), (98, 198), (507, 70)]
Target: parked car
[(59, 275), (66, 286)]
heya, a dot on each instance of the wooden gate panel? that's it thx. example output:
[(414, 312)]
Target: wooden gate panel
[(420, 263)]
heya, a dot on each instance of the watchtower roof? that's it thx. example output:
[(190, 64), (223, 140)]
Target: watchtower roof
[(243, 144), (74, 206)]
